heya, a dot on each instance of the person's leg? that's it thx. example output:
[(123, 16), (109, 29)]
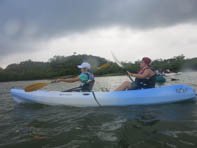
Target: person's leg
[(123, 86), (134, 86)]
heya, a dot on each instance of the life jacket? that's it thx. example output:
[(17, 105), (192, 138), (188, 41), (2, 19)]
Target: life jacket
[(146, 82), (87, 86)]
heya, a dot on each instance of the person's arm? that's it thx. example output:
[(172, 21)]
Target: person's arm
[(83, 78), (69, 80), (141, 76)]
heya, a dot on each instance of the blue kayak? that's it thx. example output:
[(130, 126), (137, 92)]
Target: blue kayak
[(160, 95)]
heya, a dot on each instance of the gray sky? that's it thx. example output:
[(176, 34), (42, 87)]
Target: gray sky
[(40, 29)]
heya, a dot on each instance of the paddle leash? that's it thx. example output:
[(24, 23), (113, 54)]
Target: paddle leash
[(96, 99)]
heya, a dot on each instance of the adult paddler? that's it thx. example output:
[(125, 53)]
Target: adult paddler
[(144, 79)]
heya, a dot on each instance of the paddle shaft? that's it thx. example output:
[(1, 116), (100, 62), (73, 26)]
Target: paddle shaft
[(127, 74), (119, 64)]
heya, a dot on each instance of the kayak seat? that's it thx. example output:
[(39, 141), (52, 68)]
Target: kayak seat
[(87, 87)]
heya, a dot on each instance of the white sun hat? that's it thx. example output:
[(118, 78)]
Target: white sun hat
[(84, 65)]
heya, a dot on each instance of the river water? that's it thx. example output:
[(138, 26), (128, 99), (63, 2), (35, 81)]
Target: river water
[(152, 126)]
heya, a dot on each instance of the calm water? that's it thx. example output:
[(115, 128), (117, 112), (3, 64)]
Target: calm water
[(158, 126)]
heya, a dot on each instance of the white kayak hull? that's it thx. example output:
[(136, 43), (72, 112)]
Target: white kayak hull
[(161, 95)]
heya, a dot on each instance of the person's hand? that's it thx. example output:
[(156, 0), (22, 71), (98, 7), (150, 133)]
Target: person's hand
[(130, 74)]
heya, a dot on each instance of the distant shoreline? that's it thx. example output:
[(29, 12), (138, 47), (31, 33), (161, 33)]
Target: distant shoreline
[(68, 76), (71, 76)]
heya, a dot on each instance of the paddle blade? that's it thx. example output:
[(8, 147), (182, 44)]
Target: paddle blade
[(117, 61), (103, 66), (36, 86)]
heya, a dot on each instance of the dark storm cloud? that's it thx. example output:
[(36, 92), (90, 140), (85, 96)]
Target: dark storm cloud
[(25, 22)]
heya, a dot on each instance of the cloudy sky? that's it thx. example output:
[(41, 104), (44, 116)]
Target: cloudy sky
[(40, 29)]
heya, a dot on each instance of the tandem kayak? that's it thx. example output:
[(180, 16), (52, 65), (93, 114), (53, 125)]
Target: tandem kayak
[(160, 95)]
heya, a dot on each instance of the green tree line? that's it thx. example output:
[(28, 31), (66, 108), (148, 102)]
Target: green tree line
[(60, 66)]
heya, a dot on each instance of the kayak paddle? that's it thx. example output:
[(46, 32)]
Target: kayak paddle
[(37, 86), (119, 64)]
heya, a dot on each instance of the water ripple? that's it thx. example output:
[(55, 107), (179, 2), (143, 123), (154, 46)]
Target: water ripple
[(34, 125)]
